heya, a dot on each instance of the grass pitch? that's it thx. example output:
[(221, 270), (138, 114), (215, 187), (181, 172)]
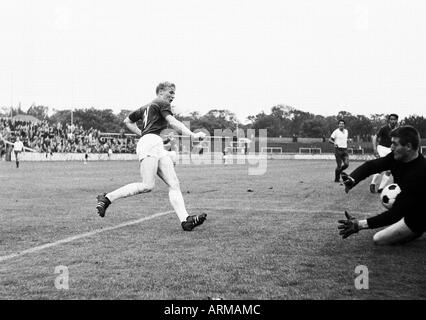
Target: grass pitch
[(279, 241)]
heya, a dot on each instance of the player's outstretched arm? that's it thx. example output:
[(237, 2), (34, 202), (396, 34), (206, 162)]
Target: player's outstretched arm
[(365, 170), (403, 203), (132, 126), (182, 129)]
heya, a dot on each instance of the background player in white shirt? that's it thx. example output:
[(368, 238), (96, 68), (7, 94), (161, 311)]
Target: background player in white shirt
[(339, 138), (18, 147), (153, 158)]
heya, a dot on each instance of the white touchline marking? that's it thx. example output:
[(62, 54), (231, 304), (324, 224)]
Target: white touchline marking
[(82, 235)]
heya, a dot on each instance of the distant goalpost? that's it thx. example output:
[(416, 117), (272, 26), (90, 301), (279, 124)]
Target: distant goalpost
[(201, 146), (356, 150), (272, 150), (309, 150), (235, 147), (210, 144)]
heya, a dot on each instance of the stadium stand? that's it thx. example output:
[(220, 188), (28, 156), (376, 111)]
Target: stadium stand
[(43, 137)]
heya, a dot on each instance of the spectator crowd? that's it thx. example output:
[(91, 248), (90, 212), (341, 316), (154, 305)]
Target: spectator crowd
[(43, 137)]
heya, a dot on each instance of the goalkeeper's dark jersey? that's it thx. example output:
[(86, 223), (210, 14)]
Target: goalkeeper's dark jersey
[(384, 136), (151, 118), (409, 204)]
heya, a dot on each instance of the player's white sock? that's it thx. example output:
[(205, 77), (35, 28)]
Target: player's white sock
[(178, 204), (128, 190), (384, 182), (375, 178)]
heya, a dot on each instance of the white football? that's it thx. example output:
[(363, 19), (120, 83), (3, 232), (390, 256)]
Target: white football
[(389, 194)]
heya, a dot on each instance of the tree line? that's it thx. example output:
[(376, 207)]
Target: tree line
[(281, 121)]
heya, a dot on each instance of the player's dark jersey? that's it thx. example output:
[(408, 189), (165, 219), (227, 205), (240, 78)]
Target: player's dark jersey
[(151, 118), (384, 136), (411, 178)]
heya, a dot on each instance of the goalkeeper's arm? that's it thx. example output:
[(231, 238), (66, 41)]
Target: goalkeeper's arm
[(365, 170), (371, 167)]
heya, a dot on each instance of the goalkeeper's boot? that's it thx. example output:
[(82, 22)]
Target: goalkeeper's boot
[(103, 204), (193, 221)]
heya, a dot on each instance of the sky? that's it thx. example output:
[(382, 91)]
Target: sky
[(365, 57)]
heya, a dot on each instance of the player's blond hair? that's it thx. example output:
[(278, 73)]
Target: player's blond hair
[(164, 85)]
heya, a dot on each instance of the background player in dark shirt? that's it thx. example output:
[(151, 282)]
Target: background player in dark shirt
[(154, 160), (406, 220), (382, 147)]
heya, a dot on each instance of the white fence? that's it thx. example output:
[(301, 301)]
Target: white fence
[(33, 156)]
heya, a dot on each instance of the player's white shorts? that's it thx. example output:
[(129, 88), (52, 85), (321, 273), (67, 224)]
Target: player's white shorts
[(383, 151), (150, 145)]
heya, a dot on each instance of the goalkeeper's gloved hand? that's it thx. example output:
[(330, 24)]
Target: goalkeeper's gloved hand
[(349, 226), (348, 181)]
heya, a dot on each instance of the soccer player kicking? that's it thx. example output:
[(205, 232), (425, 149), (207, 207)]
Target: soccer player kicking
[(406, 220), (382, 147), (154, 159)]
